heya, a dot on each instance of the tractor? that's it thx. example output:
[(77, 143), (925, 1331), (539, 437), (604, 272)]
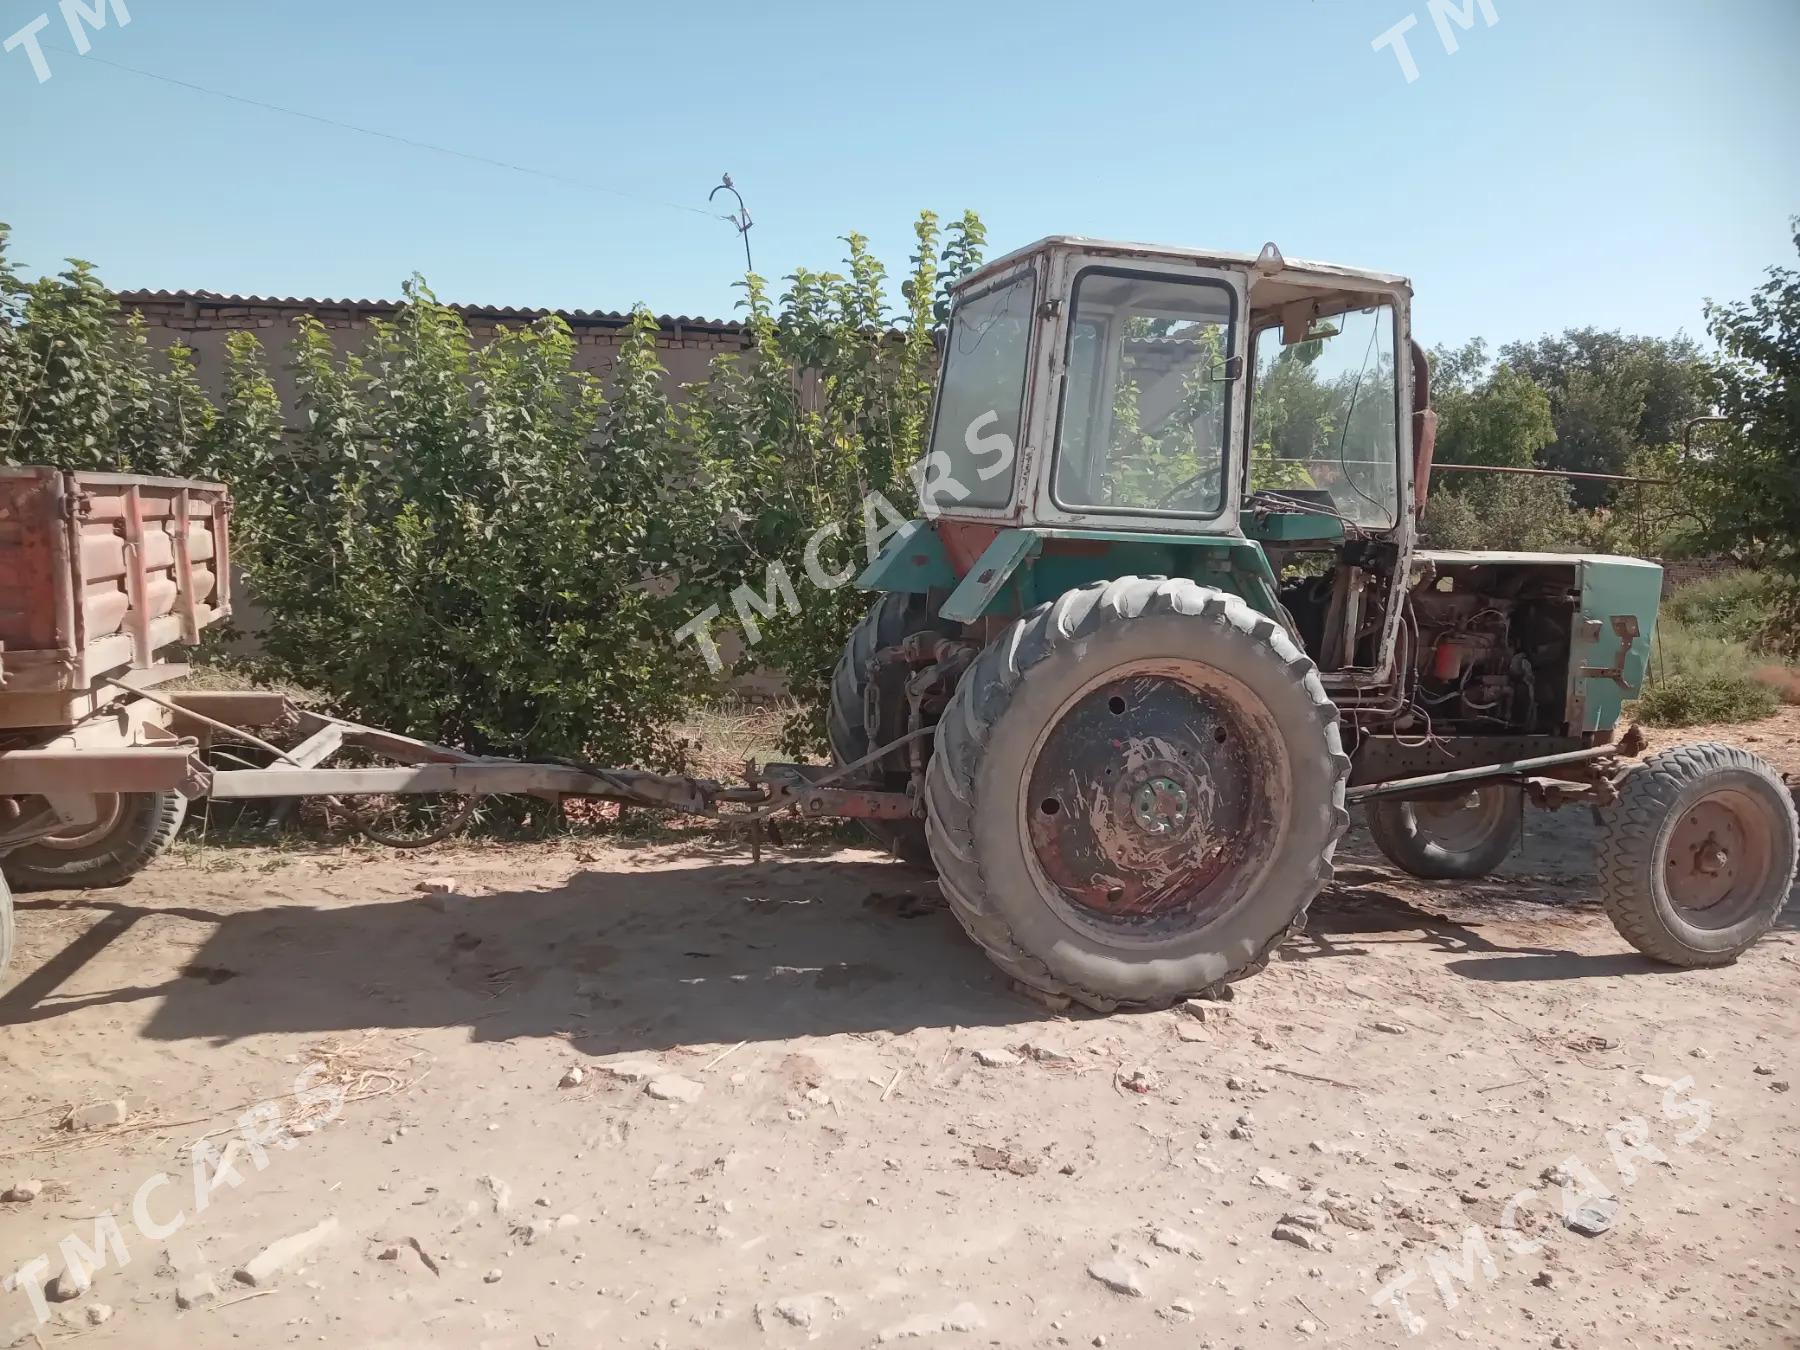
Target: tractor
[(1164, 618)]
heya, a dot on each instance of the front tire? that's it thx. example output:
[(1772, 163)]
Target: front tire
[(1697, 855), (1449, 838), (133, 828), (1136, 793)]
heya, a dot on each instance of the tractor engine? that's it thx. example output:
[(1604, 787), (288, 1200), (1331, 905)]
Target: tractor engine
[(1491, 648), (1467, 668)]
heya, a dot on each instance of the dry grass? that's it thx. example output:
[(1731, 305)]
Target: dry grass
[(1784, 680), (723, 735)]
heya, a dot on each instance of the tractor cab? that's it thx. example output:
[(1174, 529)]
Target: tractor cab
[(1108, 407)]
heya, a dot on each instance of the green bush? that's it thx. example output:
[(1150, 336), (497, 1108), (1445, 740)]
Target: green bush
[(1697, 678), (475, 545), (1501, 511), (1738, 606)]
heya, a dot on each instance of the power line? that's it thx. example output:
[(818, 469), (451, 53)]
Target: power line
[(399, 140)]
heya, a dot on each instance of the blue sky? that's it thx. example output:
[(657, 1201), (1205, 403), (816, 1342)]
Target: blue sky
[(1607, 162)]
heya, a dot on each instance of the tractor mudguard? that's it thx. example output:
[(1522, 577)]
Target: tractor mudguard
[(1024, 567)]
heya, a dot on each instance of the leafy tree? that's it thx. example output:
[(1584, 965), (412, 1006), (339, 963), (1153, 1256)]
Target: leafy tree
[(1497, 417), (1502, 419), (1610, 395), (1747, 480)]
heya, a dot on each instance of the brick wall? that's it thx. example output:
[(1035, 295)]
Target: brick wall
[(1679, 572), (203, 321)]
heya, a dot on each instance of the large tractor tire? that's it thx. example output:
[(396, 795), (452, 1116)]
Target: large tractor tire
[(132, 829), (1449, 838), (1136, 793), (896, 616), (1697, 856)]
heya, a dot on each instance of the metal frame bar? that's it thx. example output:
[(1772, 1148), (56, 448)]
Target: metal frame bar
[(1431, 782)]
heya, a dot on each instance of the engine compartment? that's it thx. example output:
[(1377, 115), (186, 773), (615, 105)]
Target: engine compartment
[(1484, 646)]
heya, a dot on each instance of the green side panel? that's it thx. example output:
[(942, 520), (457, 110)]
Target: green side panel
[(912, 560), (1611, 587), (1017, 573)]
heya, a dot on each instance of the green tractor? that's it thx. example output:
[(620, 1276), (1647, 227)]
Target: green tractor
[(1164, 620)]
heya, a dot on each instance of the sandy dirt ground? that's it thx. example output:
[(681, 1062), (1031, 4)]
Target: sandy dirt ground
[(658, 1097)]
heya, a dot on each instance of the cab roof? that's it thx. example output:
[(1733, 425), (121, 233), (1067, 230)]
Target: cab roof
[(1292, 269)]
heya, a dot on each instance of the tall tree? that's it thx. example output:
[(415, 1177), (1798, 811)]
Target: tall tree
[(1747, 480), (1611, 395)]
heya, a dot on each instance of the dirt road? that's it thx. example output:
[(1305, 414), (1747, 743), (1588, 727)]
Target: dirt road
[(659, 1097)]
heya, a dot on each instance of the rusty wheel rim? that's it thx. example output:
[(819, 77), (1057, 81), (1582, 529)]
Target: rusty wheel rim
[(1462, 823), (112, 808), (1719, 858), (1151, 799)]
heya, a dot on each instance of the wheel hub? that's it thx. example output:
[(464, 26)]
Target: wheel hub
[(1714, 858), (1160, 805), (1145, 792)]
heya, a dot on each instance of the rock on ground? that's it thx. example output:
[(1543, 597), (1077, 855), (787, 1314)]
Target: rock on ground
[(278, 1256), (97, 1115), (195, 1290), (674, 1088), (963, 1317), (1119, 1276)]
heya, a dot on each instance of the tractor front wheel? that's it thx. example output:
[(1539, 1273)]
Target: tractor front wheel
[(1449, 838), (1136, 793), (1697, 855)]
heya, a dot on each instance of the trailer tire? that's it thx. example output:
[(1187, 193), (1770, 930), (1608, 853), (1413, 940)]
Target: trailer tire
[(6, 928), (896, 616), (139, 827), (1674, 888), (1227, 725), (1449, 839)]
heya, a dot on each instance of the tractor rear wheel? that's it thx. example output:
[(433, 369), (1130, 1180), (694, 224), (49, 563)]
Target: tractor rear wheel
[(1449, 838), (1697, 856), (132, 828), (856, 685), (1136, 793)]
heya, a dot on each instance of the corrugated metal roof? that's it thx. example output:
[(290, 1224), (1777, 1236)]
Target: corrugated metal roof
[(611, 318)]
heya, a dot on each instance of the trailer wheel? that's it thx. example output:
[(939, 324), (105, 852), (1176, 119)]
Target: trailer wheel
[(1697, 856), (1136, 793), (6, 927), (133, 828), (896, 616), (1449, 838)]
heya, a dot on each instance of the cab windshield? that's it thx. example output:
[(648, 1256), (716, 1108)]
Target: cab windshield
[(1324, 425), (981, 397), (1143, 425)]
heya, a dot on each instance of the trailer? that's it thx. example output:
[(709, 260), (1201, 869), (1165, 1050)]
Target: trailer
[(104, 578)]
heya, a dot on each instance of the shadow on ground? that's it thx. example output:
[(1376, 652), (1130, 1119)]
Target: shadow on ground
[(614, 961), (724, 951)]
